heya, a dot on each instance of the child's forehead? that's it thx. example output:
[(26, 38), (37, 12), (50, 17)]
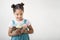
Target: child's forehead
[(18, 10)]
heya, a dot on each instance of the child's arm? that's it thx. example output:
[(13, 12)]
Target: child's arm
[(30, 30), (13, 33), (10, 31)]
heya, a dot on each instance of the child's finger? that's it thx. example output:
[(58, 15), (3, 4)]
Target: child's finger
[(22, 31)]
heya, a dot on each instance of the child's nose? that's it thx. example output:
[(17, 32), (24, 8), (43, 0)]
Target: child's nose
[(19, 16)]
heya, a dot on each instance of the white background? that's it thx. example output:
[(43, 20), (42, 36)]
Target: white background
[(44, 16)]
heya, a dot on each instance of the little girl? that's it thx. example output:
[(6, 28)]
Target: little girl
[(19, 28)]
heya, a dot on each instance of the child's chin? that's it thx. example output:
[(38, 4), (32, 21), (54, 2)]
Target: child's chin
[(20, 19)]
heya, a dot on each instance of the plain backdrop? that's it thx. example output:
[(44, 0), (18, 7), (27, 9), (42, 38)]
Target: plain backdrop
[(44, 16)]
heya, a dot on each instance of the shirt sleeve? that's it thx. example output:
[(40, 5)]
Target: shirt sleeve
[(10, 24), (28, 23)]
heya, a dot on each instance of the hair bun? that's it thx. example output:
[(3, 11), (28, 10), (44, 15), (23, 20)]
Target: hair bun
[(13, 6), (22, 4)]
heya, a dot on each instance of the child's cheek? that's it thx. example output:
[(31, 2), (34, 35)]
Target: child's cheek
[(17, 17)]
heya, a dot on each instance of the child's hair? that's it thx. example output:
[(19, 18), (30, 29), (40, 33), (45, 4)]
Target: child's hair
[(17, 6)]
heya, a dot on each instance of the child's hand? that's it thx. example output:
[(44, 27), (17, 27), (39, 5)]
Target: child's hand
[(24, 26), (25, 31), (22, 31), (16, 32)]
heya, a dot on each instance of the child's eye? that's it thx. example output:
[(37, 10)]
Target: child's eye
[(21, 14), (16, 14)]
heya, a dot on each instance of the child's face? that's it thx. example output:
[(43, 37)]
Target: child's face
[(18, 14)]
